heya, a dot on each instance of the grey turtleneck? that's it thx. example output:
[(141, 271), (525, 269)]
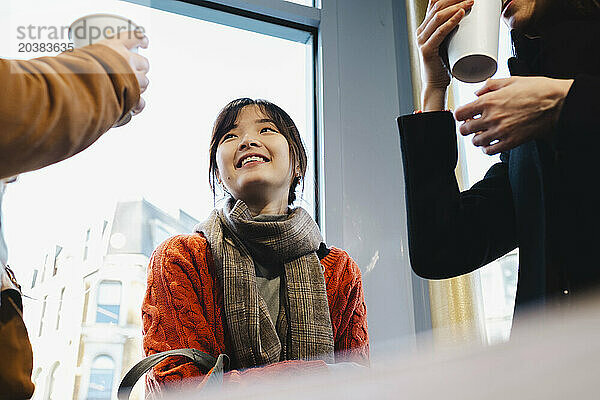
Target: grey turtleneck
[(268, 275)]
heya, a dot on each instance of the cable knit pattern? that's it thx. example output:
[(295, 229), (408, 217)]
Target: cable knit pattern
[(183, 307)]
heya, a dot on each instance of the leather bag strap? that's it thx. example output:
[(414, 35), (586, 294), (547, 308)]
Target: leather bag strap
[(205, 361)]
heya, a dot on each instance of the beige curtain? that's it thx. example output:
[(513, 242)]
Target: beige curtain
[(456, 304)]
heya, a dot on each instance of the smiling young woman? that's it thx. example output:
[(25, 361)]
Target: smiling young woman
[(255, 281)]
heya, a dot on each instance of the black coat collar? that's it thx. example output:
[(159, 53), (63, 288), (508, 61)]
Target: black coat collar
[(568, 49)]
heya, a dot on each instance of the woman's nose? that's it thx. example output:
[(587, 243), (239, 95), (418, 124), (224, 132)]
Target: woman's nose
[(247, 142)]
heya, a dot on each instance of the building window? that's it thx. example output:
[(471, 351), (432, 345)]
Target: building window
[(87, 241), (43, 315), (51, 383), (60, 303), (44, 268), (56, 254), (101, 378), (35, 378), (109, 302), (104, 225), (34, 277)]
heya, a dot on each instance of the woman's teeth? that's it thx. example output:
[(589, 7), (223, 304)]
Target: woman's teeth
[(253, 158)]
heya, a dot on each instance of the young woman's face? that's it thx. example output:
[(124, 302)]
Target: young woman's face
[(518, 14), (253, 158)]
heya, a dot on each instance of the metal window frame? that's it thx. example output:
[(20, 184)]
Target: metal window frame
[(281, 17)]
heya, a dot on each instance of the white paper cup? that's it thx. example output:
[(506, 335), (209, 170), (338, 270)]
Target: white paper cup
[(96, 27), (473, 45)]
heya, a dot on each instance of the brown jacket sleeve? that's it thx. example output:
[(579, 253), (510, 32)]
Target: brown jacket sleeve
[(54, 107)]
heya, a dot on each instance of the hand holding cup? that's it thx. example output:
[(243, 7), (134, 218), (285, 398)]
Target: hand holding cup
[(442, 17), (125, 43), (121, 35)]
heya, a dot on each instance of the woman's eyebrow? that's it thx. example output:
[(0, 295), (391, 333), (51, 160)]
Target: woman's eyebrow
[(257, 121)]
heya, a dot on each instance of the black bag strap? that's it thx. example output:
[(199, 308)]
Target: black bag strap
[(205, 361)]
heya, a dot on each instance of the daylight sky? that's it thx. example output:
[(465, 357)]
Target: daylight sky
[(196, 68)]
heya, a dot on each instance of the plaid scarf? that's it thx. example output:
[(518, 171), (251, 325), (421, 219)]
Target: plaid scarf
[(305, 325)]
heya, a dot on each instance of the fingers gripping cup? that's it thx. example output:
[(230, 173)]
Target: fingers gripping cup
[(96, 27), (473, 46)]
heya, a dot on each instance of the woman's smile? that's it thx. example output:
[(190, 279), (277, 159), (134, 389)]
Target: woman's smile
[(251, 159)]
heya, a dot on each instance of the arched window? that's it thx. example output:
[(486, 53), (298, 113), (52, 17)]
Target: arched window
[(109, 302), (101, 378), (35, 378), (51, 383)]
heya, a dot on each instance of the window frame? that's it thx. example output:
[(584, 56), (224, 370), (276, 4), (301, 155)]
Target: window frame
[(337, 100), (108, 282), (113, 373), (278, 18)]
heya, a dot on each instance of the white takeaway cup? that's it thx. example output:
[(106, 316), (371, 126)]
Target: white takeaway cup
[(473, 45), (93, 28)]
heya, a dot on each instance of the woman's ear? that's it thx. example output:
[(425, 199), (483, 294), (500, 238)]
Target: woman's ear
[(297, 171)]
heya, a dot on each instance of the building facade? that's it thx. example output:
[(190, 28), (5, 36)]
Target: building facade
[(84, 315)]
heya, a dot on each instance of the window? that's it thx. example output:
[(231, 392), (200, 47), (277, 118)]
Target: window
[(86, 302), (101, 379), (51, 383), (109, 302), (161, 156), (34, 277), (499, 278), (86, 248), (57, 252), (60, 304), (43, 315), (309, 3), (44, 267), (35, 378)]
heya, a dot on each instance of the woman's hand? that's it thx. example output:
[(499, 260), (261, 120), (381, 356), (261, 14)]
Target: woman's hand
[(513, 111), (441, 18)]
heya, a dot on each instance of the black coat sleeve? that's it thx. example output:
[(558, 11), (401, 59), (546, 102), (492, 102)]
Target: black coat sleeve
[(451, 233), (578, 127)]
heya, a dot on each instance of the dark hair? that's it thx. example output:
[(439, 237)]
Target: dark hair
[(549, 12), (284, 123)]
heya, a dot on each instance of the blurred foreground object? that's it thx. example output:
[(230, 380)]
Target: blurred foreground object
[(552, 355), (52, 108), (55, 107)]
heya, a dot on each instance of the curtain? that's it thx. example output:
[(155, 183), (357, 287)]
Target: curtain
[(456, 304)]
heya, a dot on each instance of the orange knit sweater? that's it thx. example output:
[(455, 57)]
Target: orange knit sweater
[(183, 307)]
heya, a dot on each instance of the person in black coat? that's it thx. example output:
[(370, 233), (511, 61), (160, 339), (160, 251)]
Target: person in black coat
[(543, 195)]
